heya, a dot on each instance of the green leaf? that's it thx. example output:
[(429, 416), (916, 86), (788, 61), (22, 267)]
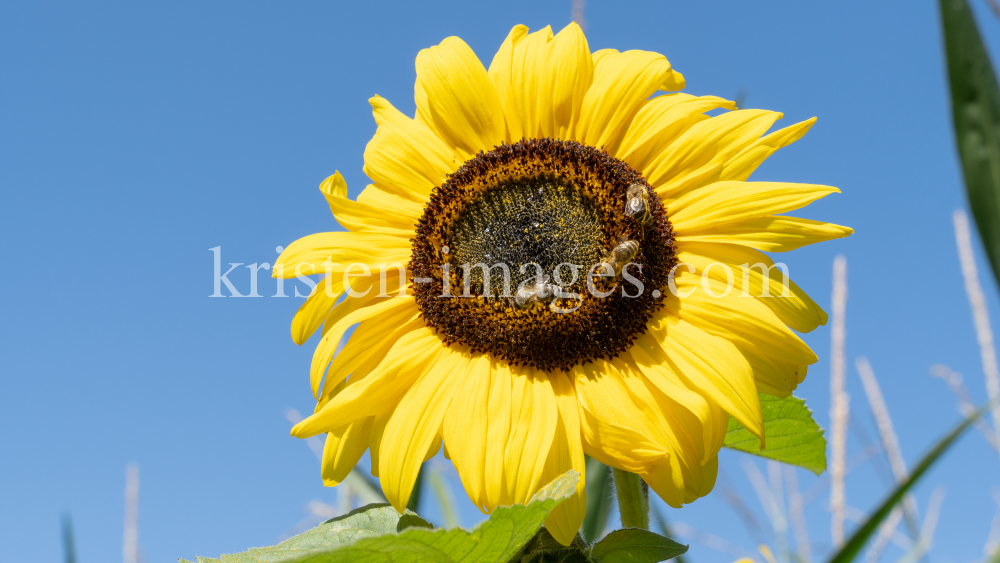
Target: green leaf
[(790, 433), (498, 539), (632, 545), (663, 525), (379, 533), (599, 499), (369, 521), (975, 109), (859, 537)]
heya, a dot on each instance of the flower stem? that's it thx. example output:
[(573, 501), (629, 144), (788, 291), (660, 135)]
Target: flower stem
[(633, 500)]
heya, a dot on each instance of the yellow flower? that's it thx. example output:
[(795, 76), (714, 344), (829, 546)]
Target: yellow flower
[(535, 160)]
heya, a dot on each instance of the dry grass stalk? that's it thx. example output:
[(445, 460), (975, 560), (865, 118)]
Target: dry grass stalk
[(965, 406), (930, 526), (778, 509), (889, 440), (130, 543), (980, 315), (797, 515), (577, 14), (839, 402)]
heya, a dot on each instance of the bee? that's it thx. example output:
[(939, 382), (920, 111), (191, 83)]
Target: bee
[(541, 291), (623, 253), (637, 204)]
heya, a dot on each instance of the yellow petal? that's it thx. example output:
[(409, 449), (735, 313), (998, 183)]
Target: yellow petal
[(456, 98), (549, 78), (466, 427), (415, 425), (736, 318), (679, 484), (369, 344), (528, 68), (343, 448), (712, 364), (361, 217), (792, 305), (310, 315), (533, 427), (731, 201), (567, 453), (612, 422), (680, 416), (675, 81), (747, 160), (409, 358), (375, 439), (501, 74), (333, 252), (499, 410), (660, 122), (378, 198), (622, 83), (774, 233), (405, 157), (354, 312), (705, 147)]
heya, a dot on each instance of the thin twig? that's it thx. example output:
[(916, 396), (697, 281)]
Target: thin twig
[(889, 440), (980, 315), (965, 407), (839, 402), (797, 515)]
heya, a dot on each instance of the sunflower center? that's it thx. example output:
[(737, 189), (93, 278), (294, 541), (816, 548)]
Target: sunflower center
[(523, 223), (544, 253)]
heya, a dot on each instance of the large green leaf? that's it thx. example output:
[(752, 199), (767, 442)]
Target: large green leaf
[(377, 533), (790, 433), (861, 536), (369, 521), (975, 109), (632, 545)]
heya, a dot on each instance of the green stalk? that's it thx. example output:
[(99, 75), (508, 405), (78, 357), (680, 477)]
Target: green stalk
[(633, 500)]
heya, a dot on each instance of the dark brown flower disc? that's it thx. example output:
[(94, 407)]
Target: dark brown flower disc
[(539, 206)]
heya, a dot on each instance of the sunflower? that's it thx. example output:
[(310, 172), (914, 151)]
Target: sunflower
[(553, 161)]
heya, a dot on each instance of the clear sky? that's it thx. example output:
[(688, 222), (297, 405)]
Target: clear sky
[(134, 137)]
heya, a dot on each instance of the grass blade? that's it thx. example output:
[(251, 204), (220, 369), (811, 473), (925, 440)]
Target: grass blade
[(975, 106), (858, 539)]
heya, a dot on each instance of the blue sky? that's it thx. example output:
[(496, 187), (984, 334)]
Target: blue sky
[(135, 137)]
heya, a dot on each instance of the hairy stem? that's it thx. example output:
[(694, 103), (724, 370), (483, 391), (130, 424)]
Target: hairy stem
[(633, 500)]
